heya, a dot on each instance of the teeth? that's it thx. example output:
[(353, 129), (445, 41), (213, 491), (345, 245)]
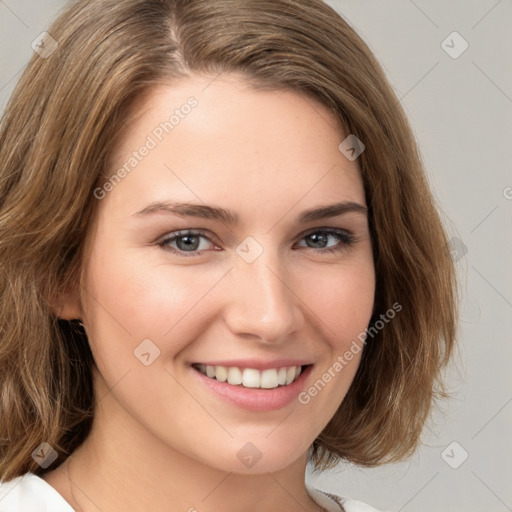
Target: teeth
[(250, 377), (290, 375), (221, 373), (269, 379), (235, 376)]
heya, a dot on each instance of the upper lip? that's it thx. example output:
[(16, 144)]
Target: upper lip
[(257, 364)]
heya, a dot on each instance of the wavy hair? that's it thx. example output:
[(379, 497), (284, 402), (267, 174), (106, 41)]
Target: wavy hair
[(56, 137)]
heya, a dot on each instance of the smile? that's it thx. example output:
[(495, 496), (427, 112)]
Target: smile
[(251, 377)]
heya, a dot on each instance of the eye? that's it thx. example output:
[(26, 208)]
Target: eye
[(186, 241), (321, 236), (189, 241)]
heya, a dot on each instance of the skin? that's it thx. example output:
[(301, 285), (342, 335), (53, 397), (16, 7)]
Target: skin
[(160, 440)]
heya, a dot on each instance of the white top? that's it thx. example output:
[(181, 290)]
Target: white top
[(30, 493)]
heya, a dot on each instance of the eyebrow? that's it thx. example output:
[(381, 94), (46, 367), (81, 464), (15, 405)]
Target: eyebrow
[(232, 218)]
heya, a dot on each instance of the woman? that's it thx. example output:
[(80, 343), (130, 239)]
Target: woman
[(220, 259)]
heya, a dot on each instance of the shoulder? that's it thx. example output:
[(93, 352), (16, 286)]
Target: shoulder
[(30, 492), (334, 503)]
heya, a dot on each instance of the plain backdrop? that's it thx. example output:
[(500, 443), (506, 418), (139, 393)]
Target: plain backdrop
[(457, 92)]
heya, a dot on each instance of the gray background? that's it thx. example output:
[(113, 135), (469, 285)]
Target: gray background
[(460, 109)]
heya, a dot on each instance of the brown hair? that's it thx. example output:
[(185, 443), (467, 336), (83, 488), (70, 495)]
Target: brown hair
[(56, 137)]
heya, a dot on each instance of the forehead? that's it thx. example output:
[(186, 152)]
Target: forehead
[(219, 139)]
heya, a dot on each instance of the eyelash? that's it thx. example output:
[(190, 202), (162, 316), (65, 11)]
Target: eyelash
[(345, 237)]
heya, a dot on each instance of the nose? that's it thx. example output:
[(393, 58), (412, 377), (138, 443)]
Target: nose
[(262, 301)]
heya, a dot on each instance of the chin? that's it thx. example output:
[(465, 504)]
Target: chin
[(258, 457)]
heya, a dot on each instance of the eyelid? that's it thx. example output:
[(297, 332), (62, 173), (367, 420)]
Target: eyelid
[(184, 232), (325, 228)]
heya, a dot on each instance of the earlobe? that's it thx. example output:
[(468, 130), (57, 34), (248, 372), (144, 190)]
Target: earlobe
[(68, 306)]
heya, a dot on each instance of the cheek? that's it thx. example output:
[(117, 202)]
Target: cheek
[(343, 298), (133, 298)]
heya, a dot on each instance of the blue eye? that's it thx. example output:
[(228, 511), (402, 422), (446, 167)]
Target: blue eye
[(342, 236), (188, 241)]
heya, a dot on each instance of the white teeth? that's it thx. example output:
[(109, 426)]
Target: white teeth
[(269, 379), (290, 375), (250, 377), (234, 376), (221, 373)]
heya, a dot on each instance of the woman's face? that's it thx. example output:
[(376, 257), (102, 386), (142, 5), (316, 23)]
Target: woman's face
[(251, 297)]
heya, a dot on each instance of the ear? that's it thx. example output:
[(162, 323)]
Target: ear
[(68, 305)]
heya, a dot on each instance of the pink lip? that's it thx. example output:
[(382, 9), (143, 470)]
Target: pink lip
[(255, 399), (257, 364)]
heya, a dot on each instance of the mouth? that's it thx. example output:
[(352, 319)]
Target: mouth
[(253, 378)]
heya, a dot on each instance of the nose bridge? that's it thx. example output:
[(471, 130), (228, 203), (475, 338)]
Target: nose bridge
[(263, 303)]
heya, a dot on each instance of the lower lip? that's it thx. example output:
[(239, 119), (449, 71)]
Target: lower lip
[(257, 399)]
